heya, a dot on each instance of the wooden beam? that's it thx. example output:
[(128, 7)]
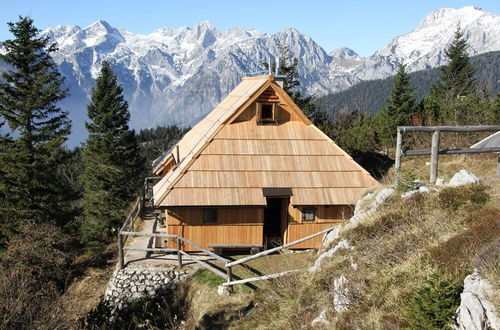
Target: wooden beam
[(448, 128), (260, 278), (179, 255), (133, 233), (205, 265), (266, 252), (121, 258), (397, 162), (210, 253), (451, 151), (149, 249), (434, 156)]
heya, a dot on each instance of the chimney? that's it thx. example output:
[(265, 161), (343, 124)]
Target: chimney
[(279, 79)]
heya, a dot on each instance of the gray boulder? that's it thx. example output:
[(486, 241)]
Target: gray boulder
[(461, 178), (476, 312)]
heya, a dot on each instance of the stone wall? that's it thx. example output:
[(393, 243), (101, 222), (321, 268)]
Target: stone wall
[(134, 282)]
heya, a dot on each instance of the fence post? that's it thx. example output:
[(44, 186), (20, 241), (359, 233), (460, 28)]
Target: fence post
[(179, 248), (229, 272), (397, 161), (434, 156), (498, 167), (121, 259)]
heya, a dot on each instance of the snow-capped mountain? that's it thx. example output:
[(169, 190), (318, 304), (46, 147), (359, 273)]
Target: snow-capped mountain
[(178, 75)]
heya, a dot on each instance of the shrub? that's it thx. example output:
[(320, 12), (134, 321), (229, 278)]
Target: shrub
[(33, 272), (434, 304), (470, 195), (147, 312), (407, 180)]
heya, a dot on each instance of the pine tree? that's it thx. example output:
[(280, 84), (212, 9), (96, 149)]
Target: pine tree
[(112, 164), (447, 101), (30, 186), (399, 109)]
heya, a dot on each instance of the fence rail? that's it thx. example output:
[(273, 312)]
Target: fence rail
[(435, 152), (226, 263)]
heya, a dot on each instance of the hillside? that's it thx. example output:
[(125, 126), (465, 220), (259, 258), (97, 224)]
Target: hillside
[(370, 96)]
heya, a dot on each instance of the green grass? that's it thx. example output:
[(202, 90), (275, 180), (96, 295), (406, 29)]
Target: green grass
[(208, 278)]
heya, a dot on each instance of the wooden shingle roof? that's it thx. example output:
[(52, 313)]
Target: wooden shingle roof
[(227, 160)]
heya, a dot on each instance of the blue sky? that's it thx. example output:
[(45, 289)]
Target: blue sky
[(364, 26)]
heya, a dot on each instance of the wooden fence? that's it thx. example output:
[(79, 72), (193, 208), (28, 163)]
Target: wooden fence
[(434, 151), (127, 230)]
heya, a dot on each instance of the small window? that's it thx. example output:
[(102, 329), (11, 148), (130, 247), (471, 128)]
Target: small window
[(266, 113), (308, 214), (209, 215)]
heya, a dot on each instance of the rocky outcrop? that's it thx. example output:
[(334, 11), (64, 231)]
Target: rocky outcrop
[(343, 244), (461, 178), (130, 284), (367, 205), (476, 312), (420, 189)]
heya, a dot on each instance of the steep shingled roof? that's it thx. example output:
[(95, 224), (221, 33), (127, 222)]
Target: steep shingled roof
[(226, 159)]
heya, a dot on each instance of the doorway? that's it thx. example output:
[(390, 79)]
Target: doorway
[(274, 217)]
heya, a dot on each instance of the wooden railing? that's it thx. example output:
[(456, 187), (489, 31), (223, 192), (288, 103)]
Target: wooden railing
[(127, 230), (227, 264), (180, 253), (434, 152)]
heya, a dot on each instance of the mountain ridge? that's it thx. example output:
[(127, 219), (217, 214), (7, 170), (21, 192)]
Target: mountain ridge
[(178, 75)]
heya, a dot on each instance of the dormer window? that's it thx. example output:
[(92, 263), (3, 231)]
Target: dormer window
[(266, 112)]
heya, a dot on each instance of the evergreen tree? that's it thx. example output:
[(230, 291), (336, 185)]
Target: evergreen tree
[(447, 101), (112, 164), (30, 187), (399, 109)]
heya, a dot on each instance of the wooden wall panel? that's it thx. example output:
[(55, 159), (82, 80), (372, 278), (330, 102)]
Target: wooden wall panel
[(223, 234), (234, 226), (297, 231)]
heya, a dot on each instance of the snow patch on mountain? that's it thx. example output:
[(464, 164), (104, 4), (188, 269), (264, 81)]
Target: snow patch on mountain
[(178, 75)]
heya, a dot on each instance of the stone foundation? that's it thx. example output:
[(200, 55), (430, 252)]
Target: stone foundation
[(132, 283)]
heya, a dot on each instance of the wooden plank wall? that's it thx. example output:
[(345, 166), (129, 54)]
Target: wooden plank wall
[(234, 226), (325, 216)]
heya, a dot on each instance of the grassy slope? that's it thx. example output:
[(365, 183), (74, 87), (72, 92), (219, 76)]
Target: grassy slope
[(395, 251)]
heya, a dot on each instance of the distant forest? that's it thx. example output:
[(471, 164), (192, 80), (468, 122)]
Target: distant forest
[(371, 96)]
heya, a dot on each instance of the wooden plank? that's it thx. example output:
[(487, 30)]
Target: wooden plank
[(205, 265), (235, 246), (259, 179), (149, 249), (210, 253), (260, 278), (132, 233), (266, 252), (450, 151), (449, 128)]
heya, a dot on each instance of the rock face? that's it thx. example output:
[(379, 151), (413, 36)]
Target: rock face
[(369, 204), (343, 244), (130, 284), (461, 178), (476, 312)]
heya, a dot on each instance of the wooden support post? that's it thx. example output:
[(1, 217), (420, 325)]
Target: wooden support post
[(229, 271), (121, 258), (498, 167), (434, 156), (397, 161), (179, 255)]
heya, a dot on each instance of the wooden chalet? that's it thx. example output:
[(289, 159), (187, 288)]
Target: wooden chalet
[(256, 172)]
